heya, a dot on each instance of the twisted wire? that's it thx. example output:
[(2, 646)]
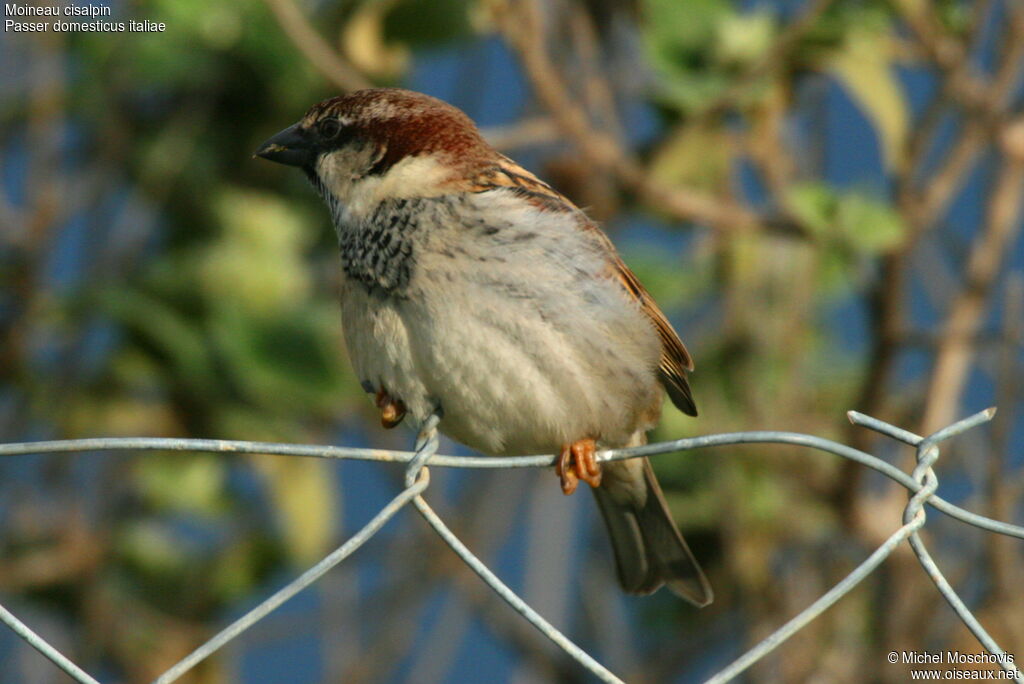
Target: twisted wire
[(921, 483)]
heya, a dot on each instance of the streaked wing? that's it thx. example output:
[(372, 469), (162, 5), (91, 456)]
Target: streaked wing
[(507, 174), (675, 359)]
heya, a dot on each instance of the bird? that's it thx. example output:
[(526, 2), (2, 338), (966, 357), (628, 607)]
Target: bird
[(473, 290)]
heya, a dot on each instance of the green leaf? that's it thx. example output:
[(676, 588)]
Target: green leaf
[(744, 39), (305, 503), (257, 261), (694, 156), (814, 204), (153, 548), (870, 225), (680, 39), (423, 23), (290, 360), (863, 66), (172, 335), (303, 491), (183, 482), (850, 226), (855, 220)]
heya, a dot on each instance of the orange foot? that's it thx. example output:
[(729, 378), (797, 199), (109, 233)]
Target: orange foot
[(576, 463), (392, 411)]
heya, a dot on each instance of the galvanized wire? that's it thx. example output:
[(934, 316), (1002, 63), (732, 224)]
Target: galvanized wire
[(295, 586), (914, 519), (922, 484), (927, 454), (41, 645), (224, 446)]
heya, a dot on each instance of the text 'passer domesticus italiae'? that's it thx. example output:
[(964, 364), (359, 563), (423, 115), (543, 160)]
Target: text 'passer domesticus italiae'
[(474, 290)]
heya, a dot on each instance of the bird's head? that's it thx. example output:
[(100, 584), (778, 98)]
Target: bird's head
[(380, 143)]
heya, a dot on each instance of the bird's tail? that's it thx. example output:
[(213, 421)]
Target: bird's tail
[(649, 549)]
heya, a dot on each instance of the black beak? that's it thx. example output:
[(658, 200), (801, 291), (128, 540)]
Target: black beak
[(292, 146)]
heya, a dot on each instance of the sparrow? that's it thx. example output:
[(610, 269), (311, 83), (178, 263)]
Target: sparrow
[(473, 290)]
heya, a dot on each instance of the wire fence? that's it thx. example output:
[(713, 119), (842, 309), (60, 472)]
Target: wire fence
[(921, 483)]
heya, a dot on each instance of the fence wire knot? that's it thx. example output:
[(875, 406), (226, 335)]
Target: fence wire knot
[(914, 517), (922, 484), (426, 446)]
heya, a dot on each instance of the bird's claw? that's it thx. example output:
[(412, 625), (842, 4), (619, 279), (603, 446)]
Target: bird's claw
[(577, 462), (392, 411)]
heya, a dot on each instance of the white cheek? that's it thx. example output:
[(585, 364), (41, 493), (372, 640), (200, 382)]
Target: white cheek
[(420, 176), (337, 171)]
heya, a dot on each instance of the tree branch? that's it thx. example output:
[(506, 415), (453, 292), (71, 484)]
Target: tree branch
[(521, 25), (316, 49)]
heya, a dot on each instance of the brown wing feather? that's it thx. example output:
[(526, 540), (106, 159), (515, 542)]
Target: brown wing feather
[(675, 359), (505, 173)]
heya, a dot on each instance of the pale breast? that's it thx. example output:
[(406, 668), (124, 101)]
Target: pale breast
[(522, 338), (507, 321), (377, 340)]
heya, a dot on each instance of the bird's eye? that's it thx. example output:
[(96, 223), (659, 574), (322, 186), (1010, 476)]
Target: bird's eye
[(329, 128)]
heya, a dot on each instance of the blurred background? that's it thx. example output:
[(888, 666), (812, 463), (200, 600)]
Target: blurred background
[(823, 195)]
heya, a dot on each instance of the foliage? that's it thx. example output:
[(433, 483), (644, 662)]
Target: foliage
[(155, 280)]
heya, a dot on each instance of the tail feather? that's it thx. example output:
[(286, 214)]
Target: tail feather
[(649, 549)]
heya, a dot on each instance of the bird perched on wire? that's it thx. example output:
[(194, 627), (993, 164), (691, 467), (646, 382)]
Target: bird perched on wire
[(473, 289)]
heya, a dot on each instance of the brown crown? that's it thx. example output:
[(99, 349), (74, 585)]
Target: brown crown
[(405, 123)]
